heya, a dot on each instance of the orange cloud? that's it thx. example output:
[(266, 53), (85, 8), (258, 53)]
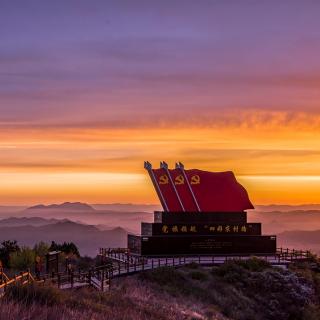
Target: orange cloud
[(99, 164)]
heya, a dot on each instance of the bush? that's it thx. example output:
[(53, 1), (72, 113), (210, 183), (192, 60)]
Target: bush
[(164, 276), (273, 293), (41, 249), (254, 264), (23, 259), (198, 275), (7, 248), (192, 265)]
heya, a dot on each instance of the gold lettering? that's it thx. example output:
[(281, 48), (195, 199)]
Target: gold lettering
[(165, 229), (184, 229), (193, 229), (175, 229), (243, 229)]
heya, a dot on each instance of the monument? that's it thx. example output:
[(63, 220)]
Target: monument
[(203, 214)]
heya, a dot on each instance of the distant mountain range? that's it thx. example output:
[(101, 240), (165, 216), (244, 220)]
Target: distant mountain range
[(73, 206), (127, 207), (300, 240), (286, 208), (32, 221), (88, 238)]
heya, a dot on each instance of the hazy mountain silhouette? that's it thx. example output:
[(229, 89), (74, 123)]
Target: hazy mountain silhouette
[(87, 237), (301, 240), (73, 206), (127, 207), (277, 221), (286, 208), (31, 221)]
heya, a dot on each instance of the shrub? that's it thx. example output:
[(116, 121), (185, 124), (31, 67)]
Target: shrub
[(192, 265), (164, 276), (7, 248), (198, 275), (67, 247), (41, 249), (23, 259), (254, 264)]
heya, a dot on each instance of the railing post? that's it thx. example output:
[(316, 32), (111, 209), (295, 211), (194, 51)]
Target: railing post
[(159, 262), (59, 280), (5, 284), (102, 280), (71, 275), (28, 276), (166, 261), (89, 277), (152, 264)]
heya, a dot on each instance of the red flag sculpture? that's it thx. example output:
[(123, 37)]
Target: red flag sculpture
[(198, 191), (184, 189), (218, 191), (167, 189)]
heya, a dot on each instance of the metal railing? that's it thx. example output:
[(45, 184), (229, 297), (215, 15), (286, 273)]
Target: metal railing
[(124, 263)]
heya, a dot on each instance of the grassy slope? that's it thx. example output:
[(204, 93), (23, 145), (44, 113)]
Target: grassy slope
[(237, 291)]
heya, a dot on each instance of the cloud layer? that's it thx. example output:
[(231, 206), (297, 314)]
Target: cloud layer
[(98, 87)]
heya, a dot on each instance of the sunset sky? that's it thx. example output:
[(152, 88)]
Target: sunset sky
[(91, 89)]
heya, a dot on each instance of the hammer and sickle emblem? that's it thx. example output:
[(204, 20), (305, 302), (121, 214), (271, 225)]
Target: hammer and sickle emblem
[(163, 179), (195, 179), (179, 179)]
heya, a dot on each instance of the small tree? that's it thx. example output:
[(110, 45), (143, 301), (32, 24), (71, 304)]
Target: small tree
[(41, 249), (7, 248), (67, 248), (23, 259), (54, 246), (70, 248)]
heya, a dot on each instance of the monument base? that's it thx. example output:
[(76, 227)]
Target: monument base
[(202, 245)]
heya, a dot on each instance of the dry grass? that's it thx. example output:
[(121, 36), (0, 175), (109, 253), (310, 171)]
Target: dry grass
[(129, 299)]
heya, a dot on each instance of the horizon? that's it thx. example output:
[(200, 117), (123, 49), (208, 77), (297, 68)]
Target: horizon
[(90, 90), (146, 204)]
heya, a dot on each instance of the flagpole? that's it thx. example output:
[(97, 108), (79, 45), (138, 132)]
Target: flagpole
[(164, 166), (148, 167), (180, 166)]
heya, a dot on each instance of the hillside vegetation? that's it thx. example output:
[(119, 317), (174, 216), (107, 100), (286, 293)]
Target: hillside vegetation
[(243, 290)]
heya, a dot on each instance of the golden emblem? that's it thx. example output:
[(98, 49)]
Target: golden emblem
[(179, 179), (195, 179), (163, 179)]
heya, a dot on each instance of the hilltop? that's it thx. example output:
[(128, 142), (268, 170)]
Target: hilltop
[(237, 290)]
